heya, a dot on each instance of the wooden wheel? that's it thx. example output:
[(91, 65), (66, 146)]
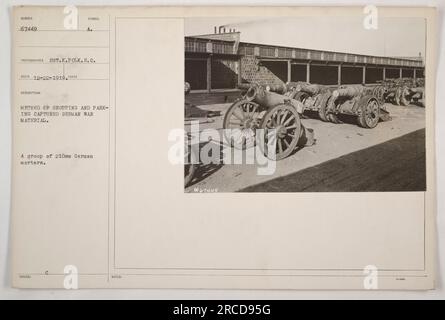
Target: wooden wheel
[(397, 96), (284, 120), (379, 93), (242, 118), (369, 112), (322, 106), (404, 96), (304, 98), (329, 110)]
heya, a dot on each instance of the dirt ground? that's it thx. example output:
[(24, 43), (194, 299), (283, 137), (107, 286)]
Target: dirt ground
[(332, 141)]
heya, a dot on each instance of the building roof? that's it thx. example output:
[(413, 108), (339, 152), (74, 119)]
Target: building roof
[(229, 44)]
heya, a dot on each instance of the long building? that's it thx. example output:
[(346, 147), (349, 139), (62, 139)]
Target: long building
[(220, 61)]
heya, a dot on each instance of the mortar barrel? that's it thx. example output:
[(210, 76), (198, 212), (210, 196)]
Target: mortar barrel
[(278, 88), (348, 92)]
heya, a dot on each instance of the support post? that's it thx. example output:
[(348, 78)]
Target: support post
[(308, 72), (364, 75), (400, 73), (209, 74), (289, 71), (415, 74), (239, 80), (339, 75), (384, 73)]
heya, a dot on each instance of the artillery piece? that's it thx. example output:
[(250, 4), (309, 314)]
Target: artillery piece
[(313, 96), (359, 101), (388, 91), (410, 95), (264, 109), (400, 91), (405, 95)]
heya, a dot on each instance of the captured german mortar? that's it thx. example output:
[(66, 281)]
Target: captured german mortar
[(413, 94), (400, 91), (406, 95), (295, 85), (313, 96), (388, 91), (382, 93), (264, 109), (356, 100)]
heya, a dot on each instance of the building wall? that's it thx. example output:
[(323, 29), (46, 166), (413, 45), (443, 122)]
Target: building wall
[(420, 73), (407, 73), (196, 73), (392, 73), (298, 72), (224, 74), (373, 75), (351, 75), (263, 73), (321, 74)]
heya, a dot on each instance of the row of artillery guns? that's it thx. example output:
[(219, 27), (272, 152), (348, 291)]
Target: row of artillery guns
[(282, 107), (332, 103), (329, 103), (401, 92)]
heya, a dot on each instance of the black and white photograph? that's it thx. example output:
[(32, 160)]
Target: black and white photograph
[(304, 104)]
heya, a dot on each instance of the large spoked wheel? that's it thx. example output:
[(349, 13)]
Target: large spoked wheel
[(304, 98), (242, 118), (369, 113), (322, 106), (397, 96), (379, 93), (329, 111), (285, 120), (404, 96)]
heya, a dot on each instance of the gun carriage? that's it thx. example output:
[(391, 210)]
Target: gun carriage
[(313, 96), (355, 100), (265, 109), (359, 101)]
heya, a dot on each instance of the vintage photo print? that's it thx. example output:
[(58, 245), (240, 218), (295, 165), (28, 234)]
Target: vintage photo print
[(309, 146), (304, 104)]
